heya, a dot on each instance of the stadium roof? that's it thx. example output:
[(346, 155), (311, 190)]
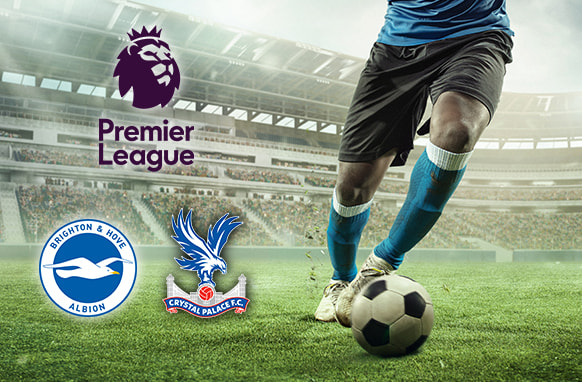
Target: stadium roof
[(77, 42), (72, 46)]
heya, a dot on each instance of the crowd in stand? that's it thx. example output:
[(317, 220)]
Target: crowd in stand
[(308, 223), (393, 187), (206, 210), (43, 209), (56, 157), (508, 230), (329, 182), (261, 176), (320, 181), (90, 160), (50, 181), (309, 166), (468, 192), (526, 194), (2, 238), (523, 230), (193, 170), (226, 157), (9, 134), (303, 220), (264, 144), (270, 176), (46, 208)]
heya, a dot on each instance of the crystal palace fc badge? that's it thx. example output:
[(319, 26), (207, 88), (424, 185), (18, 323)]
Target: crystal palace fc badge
[(87, 267), (204, 258)]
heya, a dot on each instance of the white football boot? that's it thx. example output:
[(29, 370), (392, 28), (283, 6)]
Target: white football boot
[(373, 267), (326, 310)]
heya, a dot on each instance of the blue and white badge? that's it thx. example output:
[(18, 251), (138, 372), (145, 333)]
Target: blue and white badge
[(203, 256), (88, 267)]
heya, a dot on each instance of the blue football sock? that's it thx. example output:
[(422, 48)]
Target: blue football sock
[(345, 228), (434, 178)]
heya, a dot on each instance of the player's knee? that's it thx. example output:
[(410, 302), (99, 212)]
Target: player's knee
[(348, 195), (457, 122), (458, 136)]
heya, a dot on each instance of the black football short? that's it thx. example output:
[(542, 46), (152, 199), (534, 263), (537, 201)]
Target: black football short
[(394, 86)]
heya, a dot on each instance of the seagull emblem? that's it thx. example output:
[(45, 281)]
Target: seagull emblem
[(86, 269)]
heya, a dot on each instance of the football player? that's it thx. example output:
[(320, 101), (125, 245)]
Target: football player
[(454, 51)]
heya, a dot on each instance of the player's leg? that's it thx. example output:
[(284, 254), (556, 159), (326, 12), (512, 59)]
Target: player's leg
[(465, 95), (350, 209), (379, 132), (356, 185), (457, 122)]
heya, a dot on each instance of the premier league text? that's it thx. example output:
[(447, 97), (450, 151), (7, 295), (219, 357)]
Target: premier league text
[(153, 159)]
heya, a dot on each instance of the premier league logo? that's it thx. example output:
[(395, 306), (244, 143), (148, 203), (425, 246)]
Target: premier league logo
[(204, 258), (148, 66), (87, 268)]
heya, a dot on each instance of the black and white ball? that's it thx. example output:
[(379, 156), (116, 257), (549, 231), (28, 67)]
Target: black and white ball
[(392, 316)]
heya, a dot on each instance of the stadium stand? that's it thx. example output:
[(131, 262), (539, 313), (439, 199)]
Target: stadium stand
[(45, 208), (265, 144), (205, 212), (2, 239), (266, 176), (55, 157)]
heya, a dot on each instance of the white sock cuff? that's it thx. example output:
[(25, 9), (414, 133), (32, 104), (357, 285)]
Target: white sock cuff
[(445, 159), (348, 212)]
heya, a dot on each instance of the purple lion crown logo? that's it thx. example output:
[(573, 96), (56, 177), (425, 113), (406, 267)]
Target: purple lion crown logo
[(147, 66)]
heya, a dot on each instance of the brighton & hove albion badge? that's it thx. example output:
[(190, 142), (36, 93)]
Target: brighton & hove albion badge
[(87, 267), (204, 258)]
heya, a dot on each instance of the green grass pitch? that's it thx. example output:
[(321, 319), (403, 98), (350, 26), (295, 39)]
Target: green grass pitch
[(493, 322)]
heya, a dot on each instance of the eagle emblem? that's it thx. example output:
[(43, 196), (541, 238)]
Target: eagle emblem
[(203, 256)]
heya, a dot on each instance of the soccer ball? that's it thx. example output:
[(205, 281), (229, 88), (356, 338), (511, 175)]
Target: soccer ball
[(392, 316)]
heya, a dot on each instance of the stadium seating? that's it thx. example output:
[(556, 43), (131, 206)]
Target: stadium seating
[(283, 184), (206, 210), (2, 239), (46, 208)]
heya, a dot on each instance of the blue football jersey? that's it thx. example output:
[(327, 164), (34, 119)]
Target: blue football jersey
[(413, 22)]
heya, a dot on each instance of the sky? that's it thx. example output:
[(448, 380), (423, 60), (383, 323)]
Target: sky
[(547, 52)]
